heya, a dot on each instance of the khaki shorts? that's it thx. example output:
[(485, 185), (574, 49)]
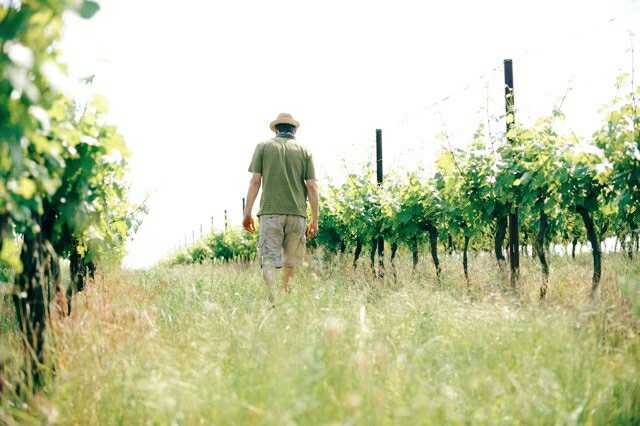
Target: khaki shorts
[(282, 240)]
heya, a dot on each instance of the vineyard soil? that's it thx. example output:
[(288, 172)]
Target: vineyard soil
[(198, 344)]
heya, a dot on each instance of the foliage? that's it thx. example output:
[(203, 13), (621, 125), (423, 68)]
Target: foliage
[(200, 345), (417, 207), (333, 231), (619, 139), (62, 188), (360, 208), (566, 190), (229, 245)]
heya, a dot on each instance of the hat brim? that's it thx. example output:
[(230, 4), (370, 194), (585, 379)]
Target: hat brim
[(291, 121)]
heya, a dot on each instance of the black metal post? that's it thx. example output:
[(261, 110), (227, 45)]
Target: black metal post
[(243, 205), (514, 242), (379, 172), (380, 177), (226, 222)]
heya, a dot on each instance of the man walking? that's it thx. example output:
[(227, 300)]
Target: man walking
[(284, 169)]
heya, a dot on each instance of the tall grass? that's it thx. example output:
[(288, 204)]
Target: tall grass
[(200, 345)]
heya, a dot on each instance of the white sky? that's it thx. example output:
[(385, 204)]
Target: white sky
[(193, 85)]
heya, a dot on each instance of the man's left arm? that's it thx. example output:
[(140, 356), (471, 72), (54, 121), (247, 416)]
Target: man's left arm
[(252, 193), (254, 188)]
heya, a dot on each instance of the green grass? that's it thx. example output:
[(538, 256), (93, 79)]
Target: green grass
[(200, 345)]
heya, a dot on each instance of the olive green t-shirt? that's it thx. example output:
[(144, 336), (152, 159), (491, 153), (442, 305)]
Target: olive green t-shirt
[(284, 165)]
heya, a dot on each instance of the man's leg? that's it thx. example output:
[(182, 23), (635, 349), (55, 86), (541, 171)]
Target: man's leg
[(269, 275), (286, 277), (294, 247), (270, 248)]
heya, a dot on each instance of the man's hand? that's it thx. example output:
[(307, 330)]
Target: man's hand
[(254, 187), (248, 224), (314, 200), (312, 229)]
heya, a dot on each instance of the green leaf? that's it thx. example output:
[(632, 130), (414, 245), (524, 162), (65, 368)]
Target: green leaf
[(26, 188), (88, 9), (13, 24), (510, 118), (10, 254)]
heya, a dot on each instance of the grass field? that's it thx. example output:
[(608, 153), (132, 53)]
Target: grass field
[(200, 345)]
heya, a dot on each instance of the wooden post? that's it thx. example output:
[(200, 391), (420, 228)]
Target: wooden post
[(514, 243), (380, 178)]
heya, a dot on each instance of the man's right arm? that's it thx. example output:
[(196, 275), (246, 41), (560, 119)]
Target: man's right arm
[(314, 200), (312, 193)]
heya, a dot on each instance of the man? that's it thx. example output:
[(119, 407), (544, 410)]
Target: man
[(285, 170)]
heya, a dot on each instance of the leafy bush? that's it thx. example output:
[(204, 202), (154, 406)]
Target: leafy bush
[(231, 245)]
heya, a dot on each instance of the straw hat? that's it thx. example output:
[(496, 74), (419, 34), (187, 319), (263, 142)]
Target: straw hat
[(284, 118)]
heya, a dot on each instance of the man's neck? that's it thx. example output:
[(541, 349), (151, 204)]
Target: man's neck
[(286, 135)]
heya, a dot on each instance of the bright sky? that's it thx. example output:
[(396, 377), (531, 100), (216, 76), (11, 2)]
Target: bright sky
[(193, 85)]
